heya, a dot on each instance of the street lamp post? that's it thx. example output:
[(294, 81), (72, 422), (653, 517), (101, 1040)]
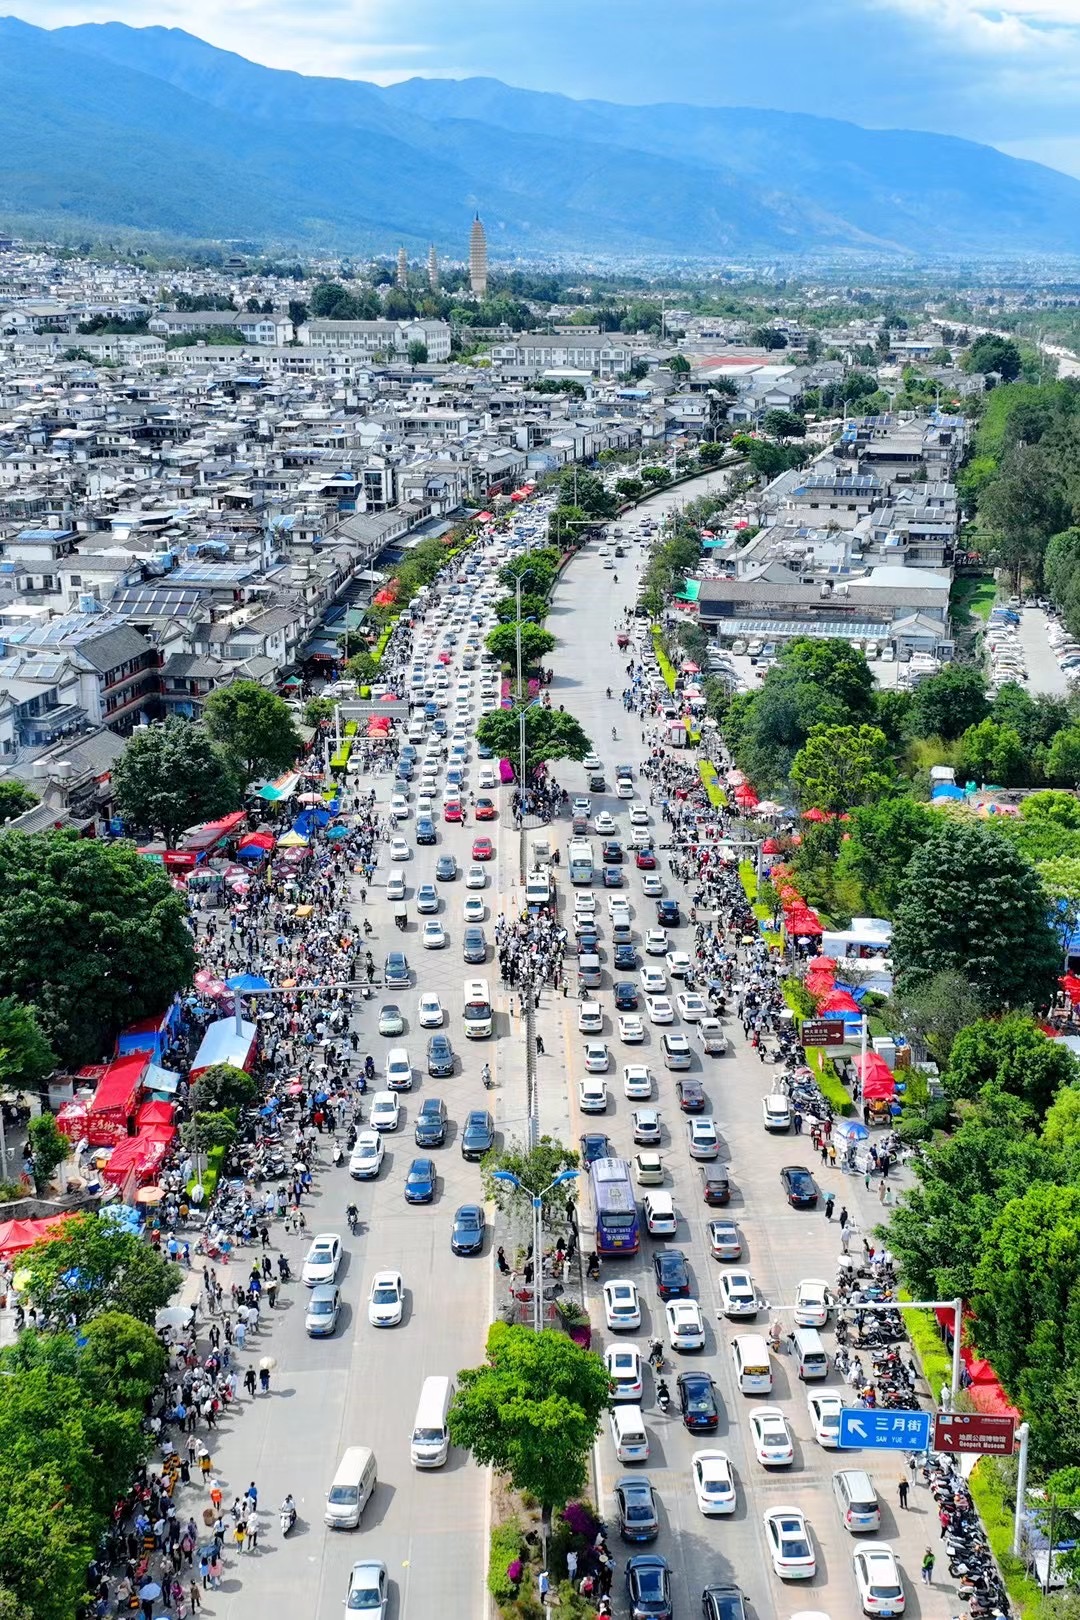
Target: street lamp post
[(538, 1232)]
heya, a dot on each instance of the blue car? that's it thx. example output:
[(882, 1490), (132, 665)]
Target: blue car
[(483, 751), (425, 830), (420, 1182), (468, 1234), (594, 1145)]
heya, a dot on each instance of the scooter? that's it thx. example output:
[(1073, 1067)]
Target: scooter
[(287, 1520), (663, 1396), (337, 1154)]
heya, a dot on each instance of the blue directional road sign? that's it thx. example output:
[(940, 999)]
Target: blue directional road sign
[(883, 1431)]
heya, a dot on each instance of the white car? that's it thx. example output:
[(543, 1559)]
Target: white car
[(485, 776), (323, 1259), (592, 761), (581, 807), (714, 1482), (597, 1057), (660, 1010), (622, 1307), (637, 1081), (631, 1029), (398, 1070), (399, 807), (584, 904), (431, 1011), (825, 1413), (881, 1591), (605, 822), (399, 850), (475, 877), (771, 1437), (738, 1295), (617, 903), (623, 1363), (592, 1095), (678, 963), (427, 898), (385, 1111), (395, 886), (812, 1302), (590, 1018), (685, 1325), (386, 1301), (776, 1112), (691, 1006), (365, 1160), (652, 885), (790, 1547), (474, 909), (433, 937), (423, 806), (646, 1124), (649, 1169), (639, 816), (702, 1137), (655, 943)]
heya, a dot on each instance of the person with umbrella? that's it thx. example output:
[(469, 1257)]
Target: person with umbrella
[(149, 1593)]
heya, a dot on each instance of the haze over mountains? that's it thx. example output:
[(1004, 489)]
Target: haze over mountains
[(110, 126)]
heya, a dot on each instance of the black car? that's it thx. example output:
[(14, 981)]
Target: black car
[(636, 1506), (672, 1274), (474, 945), (430, 1127), (715, 1186), (723, 1603), (626, 995), (667, 913), (691, 1095), (612, 877), (467, 1236), (648, 1588), (799, 1185), (611, 852), (420, 1182), (396, 970), (478, 1137), (440, 1057), (625, 956), (445, 868), (425, 830), (594, 1145), (596, 782), (588, 943), (697, 1402), (404, 770)]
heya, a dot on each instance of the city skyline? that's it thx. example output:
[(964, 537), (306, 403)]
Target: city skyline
[(1008, 76)]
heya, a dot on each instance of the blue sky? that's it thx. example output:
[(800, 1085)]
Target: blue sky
[(1008, 74)]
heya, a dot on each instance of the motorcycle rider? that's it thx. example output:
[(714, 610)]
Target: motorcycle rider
[(352, 1215), (288, 1514), (663, 1394)]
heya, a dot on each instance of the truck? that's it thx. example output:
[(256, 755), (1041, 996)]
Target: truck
[(538, 887), (711, 1032), (580, 860), (676, 733), (541, 852)]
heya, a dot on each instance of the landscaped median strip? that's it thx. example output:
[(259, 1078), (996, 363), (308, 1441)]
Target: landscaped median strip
[(666, 667), (714, 792)]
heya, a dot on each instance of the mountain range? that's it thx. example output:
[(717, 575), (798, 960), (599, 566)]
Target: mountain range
[(108, 127)]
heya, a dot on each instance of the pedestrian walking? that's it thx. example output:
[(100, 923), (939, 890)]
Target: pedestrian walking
[(264, 1380), (913, 1466), (902, 1491), (926, 1569), (845, 1239), (249, 1382), (843, 1216), (194, 1598), (830, 1203), (539, 1046), (501, 1261)]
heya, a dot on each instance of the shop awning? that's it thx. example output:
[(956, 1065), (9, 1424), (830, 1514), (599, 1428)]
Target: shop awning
[(283, 788)]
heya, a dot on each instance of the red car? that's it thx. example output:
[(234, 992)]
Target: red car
[(484, 810), (482, 849), (452, 810), (645, 860)]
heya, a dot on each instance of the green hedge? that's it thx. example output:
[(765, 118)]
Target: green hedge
[(380, 646), (832, 1087), (926, 1341), (507, 1543), (666, 668), (713, 791), (994, 1499), (215, 1161)]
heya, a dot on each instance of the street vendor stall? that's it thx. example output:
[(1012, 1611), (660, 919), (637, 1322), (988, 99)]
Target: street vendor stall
[(224, 1043)]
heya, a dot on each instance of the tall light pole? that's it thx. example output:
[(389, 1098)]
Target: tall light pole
[(538, 1232), (525, 574)]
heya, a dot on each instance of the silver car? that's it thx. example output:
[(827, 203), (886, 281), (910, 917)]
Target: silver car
[(320, 1318)]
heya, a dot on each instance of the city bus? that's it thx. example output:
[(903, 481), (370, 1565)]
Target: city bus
[(477, 1011), (614, 1208)]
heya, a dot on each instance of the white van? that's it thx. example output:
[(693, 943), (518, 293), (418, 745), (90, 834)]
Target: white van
[(810, 1357), (753, 1369), (628, 1433), (430, 1444), (857, 1500), (352, 1488)]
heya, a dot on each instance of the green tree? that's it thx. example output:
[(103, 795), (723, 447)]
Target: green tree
[(331, 301), (990, 353), (15, 799), (417, 353), (172, 776), (767, 337), (45, 1541), (298, 312), (535, 1168), (784, 425), (655, 476), (1013, 1055), (90, 1265), (541, 566), (883, 839), (1063, 756), (839, 767), (536, 643), (947, 704), (1060, 878), (629, 489), (971, 904), (205, 1130), (566, 526), (550, 734), (587, 490), (317, 711), (91, 935), (363, 668), (532, 607), (223, 1085), (25, 1055), (49, 1147), (933, 1014), (678, 365), (121, 1360), (254, 727), (532, 1411), (1022, 507), (993, 753)]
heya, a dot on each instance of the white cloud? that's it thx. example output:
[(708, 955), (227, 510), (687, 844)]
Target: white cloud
[(1043, 26)]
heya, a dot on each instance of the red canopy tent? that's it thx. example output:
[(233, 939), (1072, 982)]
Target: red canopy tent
[(816, 815), (155, 1113), (117, 1096), (15, 1236), (258, 840), (1071, 986), (799, 919), (839, 1001), (139, 1157), (875, 1076), (770, 847)]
